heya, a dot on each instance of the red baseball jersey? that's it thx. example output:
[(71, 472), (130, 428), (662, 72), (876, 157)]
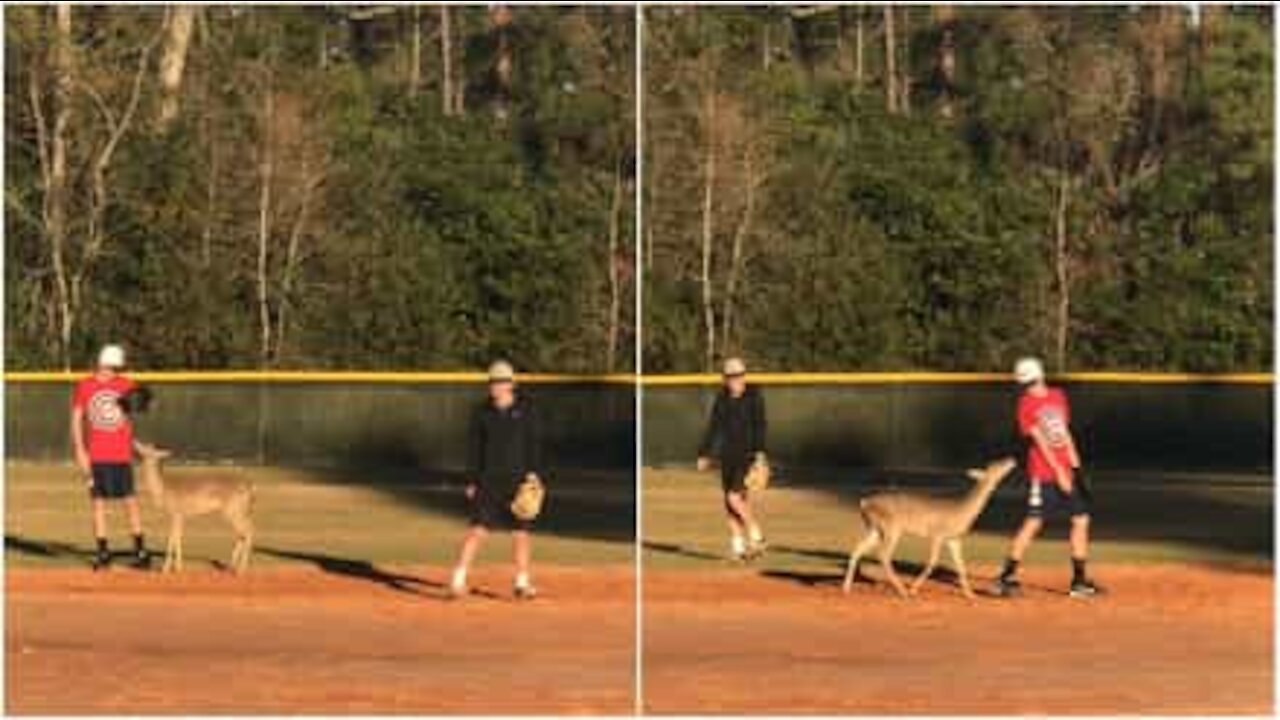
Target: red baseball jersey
[(1051, 414), (110, 431)]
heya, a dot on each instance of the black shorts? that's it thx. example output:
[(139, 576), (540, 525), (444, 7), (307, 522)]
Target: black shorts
[(112, 481), (733, 475), (1046, 499), (492, 508)]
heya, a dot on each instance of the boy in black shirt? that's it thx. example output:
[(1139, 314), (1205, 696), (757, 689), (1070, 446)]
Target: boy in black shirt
[(504, 449), (737, 430)]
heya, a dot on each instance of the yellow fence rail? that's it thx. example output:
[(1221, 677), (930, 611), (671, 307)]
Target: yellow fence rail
[(319, 376), (764, 378), (908, 378)]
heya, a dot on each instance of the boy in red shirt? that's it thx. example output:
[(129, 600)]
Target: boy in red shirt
[(1044, 418), (102, 439)]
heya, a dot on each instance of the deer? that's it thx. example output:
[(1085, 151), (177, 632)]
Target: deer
[(888, 516), (183, 497)]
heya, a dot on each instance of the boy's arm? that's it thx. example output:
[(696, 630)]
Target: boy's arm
[(80, 452), (1060, 474), (1072, 452), (709, 436)]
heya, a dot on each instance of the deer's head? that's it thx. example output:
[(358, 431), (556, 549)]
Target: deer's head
[(151, 453), (994, 472)]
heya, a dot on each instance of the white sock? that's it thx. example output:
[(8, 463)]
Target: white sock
[(756, 534), (738, 544), (522, 580), (459, 578)]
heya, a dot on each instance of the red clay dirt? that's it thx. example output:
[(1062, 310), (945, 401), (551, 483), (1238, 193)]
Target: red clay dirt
[(1166, 640), (297, 640)]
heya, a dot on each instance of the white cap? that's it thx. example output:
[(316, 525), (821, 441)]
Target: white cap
[(501, 371), (735, 366), (1028, 370), (111, 356)]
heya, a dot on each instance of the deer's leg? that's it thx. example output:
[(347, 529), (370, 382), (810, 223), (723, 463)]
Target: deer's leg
[(247, 551), (170, 544), (958, 558), (886, 559), (864, 546), (177, 543), (935, 548), (243, 526)]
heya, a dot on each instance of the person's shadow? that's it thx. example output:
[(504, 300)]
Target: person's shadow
[(359, 569)]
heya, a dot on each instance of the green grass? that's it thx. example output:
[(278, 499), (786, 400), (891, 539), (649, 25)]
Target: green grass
[(811, 527), (588, 519)]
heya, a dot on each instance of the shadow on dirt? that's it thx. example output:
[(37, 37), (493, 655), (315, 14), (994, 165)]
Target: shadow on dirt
[(46, 548), (357, 569), (57, 549), (680, 550)]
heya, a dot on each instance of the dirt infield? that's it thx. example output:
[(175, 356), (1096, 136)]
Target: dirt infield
[(297, 640), (1167, 639)]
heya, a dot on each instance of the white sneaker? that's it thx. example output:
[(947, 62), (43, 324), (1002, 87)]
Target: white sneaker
[(526, 592)]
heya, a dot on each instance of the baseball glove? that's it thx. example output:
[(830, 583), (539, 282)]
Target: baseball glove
[(758, 476), (527, 504), (136, 401)]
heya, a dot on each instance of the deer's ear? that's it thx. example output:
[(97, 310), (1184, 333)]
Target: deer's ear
[(975, 474)]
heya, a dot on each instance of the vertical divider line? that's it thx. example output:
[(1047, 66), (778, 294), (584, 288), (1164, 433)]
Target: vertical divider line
[(638, 393), (1275, 278)]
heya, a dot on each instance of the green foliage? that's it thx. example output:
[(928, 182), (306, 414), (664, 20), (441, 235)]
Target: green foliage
[(917, 240), (429, 239)]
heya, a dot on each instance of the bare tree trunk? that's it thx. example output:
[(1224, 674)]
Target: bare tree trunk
[(311, 182), (446, 60), (945, 18), (504, 65), (179, 23), (266, 170), (415, 50), (708, 204), (859, 49), (56, 187), (211, 194), (904, 67), (615, 282), (736, 256), (890, 63), (766, 46), (842, 43), (1061, 261)]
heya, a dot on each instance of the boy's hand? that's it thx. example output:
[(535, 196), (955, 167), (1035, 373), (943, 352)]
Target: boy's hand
[(470, 491), (703, 464), (82, 462), (1063, 479)]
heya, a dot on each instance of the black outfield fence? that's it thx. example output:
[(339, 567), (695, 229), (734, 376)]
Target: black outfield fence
[(1122, 422), (1131, 422), (333, 420)]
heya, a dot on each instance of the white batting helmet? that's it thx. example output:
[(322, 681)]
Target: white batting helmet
[(501, 371), (111, 356), (1028, 370)]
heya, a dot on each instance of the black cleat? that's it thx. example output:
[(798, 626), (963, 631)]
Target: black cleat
[(1007, 587), (526, 592), (1084, 588), (101, 561), (142, 559)]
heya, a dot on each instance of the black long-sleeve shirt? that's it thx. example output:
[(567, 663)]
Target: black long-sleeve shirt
[(736, 427), (505, 444)]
